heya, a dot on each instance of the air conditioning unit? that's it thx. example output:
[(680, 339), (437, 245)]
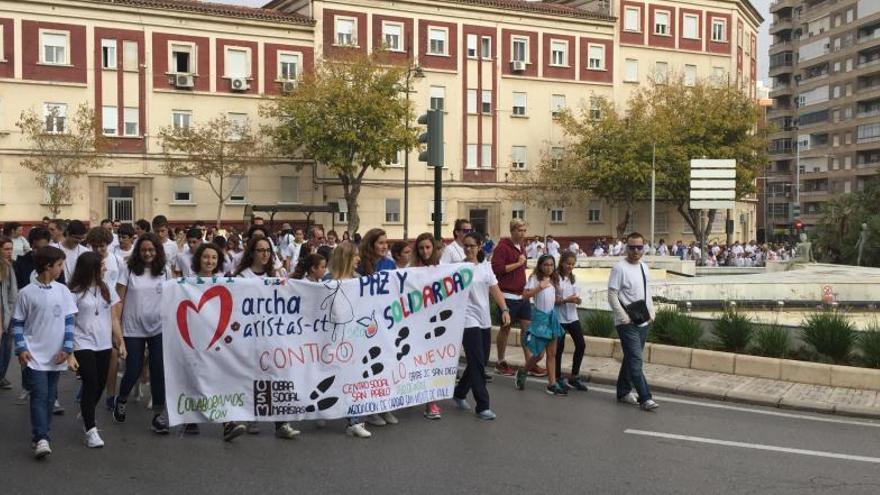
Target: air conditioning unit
[(239, 84), (517, 65), (288, 87), (183, 80)]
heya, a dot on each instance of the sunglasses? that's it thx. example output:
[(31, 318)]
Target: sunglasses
[(635, 248)]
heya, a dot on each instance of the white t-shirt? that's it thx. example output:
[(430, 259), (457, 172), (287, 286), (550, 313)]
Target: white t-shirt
[(574, 247), (183, 262), (248, 273), (553, 247), (20, 246), (452, 253), (291, 252), (141, 314), (70, 257), (568, 312), (662, 250), (114, 266), (171, 250), (123, 254), (627, 279), (598, 251), (43, 309), (544, 300), (93, 329), (236, 259), (478, 312)]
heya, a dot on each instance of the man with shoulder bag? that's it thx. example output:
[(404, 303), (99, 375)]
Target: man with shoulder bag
[(630, 300)]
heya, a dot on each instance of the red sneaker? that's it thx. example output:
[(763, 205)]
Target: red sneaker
[(502, 368), (538, 371), (432, 410)]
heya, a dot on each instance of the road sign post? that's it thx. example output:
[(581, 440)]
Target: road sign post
[(713, 187)]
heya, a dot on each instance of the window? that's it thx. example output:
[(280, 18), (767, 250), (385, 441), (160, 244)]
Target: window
[(661, 22), (442, 211), (345, 32), (557, 214), (108, 54), (181, 119), (108, 120), (596, 57), (719, 74), (55, 115), (1, 44), (289, 189), (288, 66), (691, 27), (518, 210), (181, 191), (237, 64), (661, 70), (239, 188), (182, 58), (130, 120), (486, 101), (595, 110), (519, 104), (392, 36), (472, 46), (719, 30), (437, 41), (239, 122), (487, 156), (342, 214), (556, 153), (129, 55), (631, 70), (472, 101), (395, 161), (632, 19), (559, 53), (690, 75), (661, 222), (594, 212), (392, 210), (518, 157), (486, 47), (557, 104), (739, 35), (520, 50), (54, 47), (438, 98), (471, 156)]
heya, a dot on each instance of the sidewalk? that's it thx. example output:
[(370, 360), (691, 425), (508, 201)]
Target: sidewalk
[(719, 386)]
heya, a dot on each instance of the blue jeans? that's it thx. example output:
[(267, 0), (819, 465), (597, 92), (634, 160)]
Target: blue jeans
[(632, 340), (5, 352), (44, 391), (134, 364)]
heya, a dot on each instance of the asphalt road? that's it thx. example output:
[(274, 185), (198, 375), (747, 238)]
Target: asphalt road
[(584, 443)]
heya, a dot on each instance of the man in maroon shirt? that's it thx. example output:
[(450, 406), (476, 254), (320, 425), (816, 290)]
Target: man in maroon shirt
[(509, 265)]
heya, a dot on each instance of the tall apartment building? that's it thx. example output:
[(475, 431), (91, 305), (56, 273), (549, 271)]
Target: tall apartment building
[(825, 66), (499, 69)]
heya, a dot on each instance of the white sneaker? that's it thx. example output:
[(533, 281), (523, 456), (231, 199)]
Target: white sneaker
[(358, 431), (286, 432), (41, 449), (649, 405), (376, 420), (93, 440), (389, 418), (629, 398)]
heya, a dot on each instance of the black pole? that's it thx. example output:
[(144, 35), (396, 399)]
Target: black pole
[(438, 200)]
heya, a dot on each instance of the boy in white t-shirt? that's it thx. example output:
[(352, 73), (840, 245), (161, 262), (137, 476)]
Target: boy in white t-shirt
[(183, 261), (43, 328)]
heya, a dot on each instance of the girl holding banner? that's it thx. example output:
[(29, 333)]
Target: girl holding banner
[(428, 254), (477, 337), (258, 261)]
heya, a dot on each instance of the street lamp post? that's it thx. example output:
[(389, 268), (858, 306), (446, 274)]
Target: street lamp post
[(413, 71)]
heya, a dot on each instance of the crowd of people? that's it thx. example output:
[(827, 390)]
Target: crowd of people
[(86, 299)]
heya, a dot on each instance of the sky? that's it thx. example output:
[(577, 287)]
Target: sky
[(763, 7)]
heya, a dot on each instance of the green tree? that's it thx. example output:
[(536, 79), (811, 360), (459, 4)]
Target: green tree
[(350, 115), (218, 152), (61, 150), (606, 157), (840, 225)]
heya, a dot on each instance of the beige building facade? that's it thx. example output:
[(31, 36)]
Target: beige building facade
[(498, 69)]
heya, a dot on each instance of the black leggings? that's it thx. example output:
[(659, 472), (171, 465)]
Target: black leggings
[(93, 367), (577, 335)]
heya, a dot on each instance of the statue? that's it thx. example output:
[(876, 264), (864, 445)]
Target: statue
[(804, 249), (860, 244)]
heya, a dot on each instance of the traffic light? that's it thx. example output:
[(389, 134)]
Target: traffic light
[(432, 138), (798, 225)]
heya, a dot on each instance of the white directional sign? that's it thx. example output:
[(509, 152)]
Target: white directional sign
[(713, 184)]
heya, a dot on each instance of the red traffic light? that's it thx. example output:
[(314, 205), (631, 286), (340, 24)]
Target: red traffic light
[(799, 225)]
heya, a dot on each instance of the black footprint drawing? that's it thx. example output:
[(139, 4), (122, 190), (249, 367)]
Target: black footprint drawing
[(326, 402), (374, 368), (440, 330), (402, 336)]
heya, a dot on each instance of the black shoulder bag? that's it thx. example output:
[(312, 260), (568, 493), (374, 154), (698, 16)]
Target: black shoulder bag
[(638, 311)]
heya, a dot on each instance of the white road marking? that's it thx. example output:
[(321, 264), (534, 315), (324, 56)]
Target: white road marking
[(731, 407), (755, 446)]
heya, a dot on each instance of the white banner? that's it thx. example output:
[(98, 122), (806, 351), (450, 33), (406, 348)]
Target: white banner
[(270, 350)]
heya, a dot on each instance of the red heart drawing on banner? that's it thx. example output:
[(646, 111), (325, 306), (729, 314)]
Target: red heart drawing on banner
[(225, 313)]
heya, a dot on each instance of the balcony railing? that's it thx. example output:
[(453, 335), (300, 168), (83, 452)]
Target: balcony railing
[(868, 37)]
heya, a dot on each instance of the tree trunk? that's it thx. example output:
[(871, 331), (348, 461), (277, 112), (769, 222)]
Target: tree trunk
[(219, 204), (351, 194), (621, 226)]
